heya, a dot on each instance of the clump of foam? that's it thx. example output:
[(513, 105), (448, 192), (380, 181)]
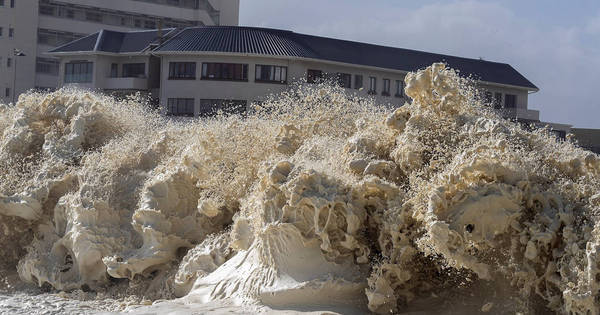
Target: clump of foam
[(315, 200)]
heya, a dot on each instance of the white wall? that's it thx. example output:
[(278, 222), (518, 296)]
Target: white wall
[(256, 91)]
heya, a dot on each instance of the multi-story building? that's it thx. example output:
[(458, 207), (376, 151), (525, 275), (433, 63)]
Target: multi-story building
[(33, 27), (198, 70)]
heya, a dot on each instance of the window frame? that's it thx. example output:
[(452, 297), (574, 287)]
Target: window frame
[(358, 85), (176, 102), (340, 80), (386, 91), (176, 75), (274, 70), (114, 70), (125, 69), (80, 77), (508, 97), (497, 100), (399, 88), (222, 68), (314, 76), (372, 85)]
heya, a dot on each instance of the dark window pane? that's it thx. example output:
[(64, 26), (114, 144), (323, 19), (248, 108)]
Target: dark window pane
[(182, 70), (79, 72), (134, 70), (314, 76), (510, 101), (225, 71), (358, 81), (345, 80)]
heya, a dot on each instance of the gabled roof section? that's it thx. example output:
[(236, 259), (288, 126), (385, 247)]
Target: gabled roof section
[(83, 44), (115, 42), (233, 39)]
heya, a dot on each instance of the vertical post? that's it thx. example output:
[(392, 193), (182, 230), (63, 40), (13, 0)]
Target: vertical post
[(14, 91)]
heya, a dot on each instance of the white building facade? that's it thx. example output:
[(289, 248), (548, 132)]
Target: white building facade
[(34, 27)]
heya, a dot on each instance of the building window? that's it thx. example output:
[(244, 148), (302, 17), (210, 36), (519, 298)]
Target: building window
[(56, 38), (180, 107), (386, 87), (93, 16), (12, 3), (46, 10), (79, 72), (11, 32), (149, 24), (1, 3), (134, 70), (47, 66), (114, 70), (487, 98), (182, 70), (372, 85), (7, 92), (510, 101), (498, 100), (344, 80), (399, 88), (8, 62), (358, 81), (314, 76), (271, 74), (210, 107), (225, 71)]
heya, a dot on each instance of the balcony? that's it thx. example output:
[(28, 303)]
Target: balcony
[(520, 113), (112, 83)]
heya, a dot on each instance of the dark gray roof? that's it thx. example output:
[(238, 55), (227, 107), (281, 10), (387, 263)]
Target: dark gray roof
[(83, 44), (263, 41), (115, 42)]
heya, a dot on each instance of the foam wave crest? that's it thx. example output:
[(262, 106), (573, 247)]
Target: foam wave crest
[(316, 200)]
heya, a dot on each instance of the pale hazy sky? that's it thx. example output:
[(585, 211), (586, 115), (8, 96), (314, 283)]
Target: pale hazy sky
[(555, 44)]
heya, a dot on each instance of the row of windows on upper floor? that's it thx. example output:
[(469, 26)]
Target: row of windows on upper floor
[(208, 107), (274, 74), (119, 18), (4, 3), (81, 72)]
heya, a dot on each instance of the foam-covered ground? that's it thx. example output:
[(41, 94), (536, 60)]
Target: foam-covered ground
[(316, 201)]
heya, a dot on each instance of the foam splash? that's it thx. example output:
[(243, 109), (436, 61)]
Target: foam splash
[(315, 200)]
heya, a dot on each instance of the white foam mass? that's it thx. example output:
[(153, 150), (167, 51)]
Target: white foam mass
[(316, 200)]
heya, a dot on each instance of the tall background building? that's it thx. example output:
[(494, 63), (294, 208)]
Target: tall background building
[(33, 27)]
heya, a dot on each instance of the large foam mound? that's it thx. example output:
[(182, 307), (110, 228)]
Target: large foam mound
[(316, 200)]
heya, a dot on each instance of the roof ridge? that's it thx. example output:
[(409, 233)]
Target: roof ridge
[(99, 40)]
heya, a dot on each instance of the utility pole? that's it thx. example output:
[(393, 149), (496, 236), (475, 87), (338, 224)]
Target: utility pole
[(17, 53)]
